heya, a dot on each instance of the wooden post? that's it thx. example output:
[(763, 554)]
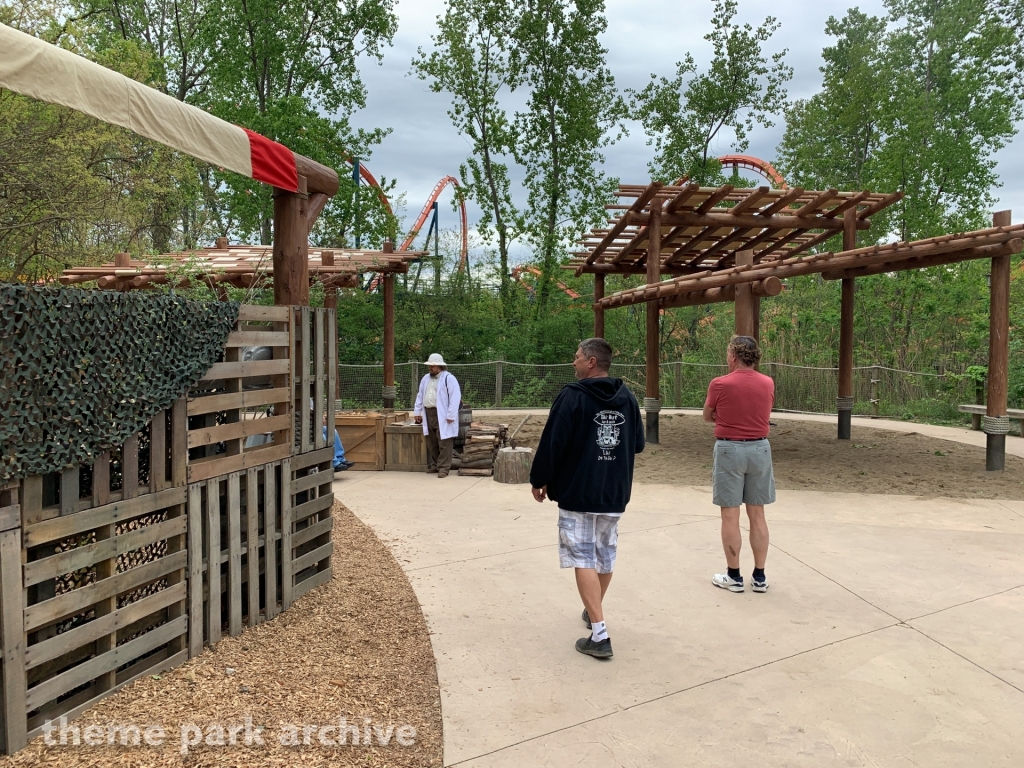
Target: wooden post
[(844, 401), (744, 299), (996, 423), (291, 247), (598, 311), (122, 261), (330, 302), (498, 383), (389, 334), (678, 384), (652, 403), (876, 378)]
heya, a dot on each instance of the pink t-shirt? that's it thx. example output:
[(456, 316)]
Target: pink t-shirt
[(742, 402)]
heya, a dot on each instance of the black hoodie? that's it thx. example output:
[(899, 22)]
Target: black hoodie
[(585, 456)]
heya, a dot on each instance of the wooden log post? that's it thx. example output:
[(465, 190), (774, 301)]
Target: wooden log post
[(744, 299), (598, 310), (996, 423), (512, 465), (331, 302), (652, 402), (844, 399), (389, 335), (291, 247)]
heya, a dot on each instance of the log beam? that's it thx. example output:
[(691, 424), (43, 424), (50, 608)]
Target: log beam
[(751, 220), (291, 246), (923, 262), (844, 401), (770, 286), (389, 333), (598, 309), (744, 321)]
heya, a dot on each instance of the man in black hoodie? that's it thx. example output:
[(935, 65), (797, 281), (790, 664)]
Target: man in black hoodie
[(585, 463)]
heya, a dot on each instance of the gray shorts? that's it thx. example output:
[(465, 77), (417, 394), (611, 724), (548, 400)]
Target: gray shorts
[(742, 473), (587, 540)]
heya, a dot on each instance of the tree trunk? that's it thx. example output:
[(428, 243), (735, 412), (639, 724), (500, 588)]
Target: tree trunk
[(513, 465)]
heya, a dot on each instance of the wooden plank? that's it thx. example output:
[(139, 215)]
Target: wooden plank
[(332, 370), (158, 452), (195, 570), (64, 562), (10, 517), (319, 382), (286, 535), (248, 313), (312, 480), (222, 465), (81, 599), (257, 339), (304, 460), (270, 541), (213, 561), (32, 499), (241, 370), (119, 511), (58, 645), (198, 406), (238, 429), (101, 480), (300, 564), (308, 534), (130, 468), (69, 491), (179, 449), (12, 636), (311, 507), (111, 660), (314, 581), (234, 585), (151, 665), (306, 443), (252, 535)]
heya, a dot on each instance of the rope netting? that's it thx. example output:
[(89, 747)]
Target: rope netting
[(877, 389)]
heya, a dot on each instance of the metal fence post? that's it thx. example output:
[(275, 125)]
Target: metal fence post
[(875, 379), (497, 383), (415, 387)]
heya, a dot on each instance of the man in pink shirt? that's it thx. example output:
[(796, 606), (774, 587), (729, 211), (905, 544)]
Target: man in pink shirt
[(740, 404)]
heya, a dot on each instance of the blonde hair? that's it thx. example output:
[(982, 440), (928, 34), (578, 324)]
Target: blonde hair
[(745, 349)]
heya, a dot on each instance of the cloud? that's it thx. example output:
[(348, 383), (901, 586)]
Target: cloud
[(643, 38)]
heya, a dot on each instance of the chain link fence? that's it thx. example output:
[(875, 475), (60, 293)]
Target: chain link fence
[(878, 390)]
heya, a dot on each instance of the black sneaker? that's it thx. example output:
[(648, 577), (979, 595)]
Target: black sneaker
[(601, 650), (586, 619)]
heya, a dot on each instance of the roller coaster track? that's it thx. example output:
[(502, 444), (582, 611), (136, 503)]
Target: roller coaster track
[(749, 163)]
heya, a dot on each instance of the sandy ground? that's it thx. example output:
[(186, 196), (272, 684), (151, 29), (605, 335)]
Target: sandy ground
[(807, 456), (356, 647)]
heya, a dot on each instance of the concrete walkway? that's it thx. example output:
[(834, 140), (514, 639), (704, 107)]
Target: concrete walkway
[(891, 635)]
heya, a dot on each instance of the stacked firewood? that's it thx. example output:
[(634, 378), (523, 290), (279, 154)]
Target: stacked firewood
[(482, 443)]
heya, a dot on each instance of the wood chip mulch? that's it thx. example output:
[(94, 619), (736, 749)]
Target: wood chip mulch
[(357, 647)]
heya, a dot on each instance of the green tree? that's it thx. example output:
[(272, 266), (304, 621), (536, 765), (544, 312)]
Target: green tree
[(471, 61), (572, 112), (685, 115)]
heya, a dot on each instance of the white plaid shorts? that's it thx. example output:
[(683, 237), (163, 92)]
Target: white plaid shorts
[(587, 540)]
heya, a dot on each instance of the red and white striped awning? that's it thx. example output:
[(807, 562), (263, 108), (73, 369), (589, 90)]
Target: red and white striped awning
[(35, 68)]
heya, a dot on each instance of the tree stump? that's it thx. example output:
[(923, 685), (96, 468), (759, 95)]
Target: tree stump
[(513, 465)]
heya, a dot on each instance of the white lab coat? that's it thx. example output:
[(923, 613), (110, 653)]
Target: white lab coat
[(449, 398)]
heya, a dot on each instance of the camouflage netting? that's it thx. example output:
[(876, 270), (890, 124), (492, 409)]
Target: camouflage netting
[(81, 371)]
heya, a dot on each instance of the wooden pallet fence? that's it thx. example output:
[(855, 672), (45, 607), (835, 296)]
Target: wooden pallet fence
[(235, 523), (314, 373), (240, 415), (102, 595), (307, 522)]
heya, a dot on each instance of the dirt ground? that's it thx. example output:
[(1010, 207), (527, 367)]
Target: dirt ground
[(356, 647), (807, 456)]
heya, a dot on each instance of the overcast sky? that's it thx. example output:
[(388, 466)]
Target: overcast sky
[(643, 38)]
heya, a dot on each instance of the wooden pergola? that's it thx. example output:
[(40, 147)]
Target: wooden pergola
[(724, 244), (245, 266)]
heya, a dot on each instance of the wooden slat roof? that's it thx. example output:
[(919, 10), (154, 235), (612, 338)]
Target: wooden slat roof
[(704, 227)]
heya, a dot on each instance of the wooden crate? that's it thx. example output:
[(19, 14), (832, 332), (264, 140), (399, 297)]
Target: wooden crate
[(362, 435), (405, 448)]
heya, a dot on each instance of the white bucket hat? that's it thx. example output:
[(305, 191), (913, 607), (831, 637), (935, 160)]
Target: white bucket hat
[(436, 359)]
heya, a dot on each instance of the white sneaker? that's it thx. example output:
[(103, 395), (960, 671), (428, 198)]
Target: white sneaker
[(725, 581), (759, 585)]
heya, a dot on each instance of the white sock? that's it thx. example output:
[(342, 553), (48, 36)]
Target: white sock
[(598, 631)]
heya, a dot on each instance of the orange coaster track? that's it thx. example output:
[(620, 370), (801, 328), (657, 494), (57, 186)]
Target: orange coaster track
[(749, 163)]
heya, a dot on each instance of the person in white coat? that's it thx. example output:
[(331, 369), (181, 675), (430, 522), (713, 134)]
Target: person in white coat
[(437, 409)]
